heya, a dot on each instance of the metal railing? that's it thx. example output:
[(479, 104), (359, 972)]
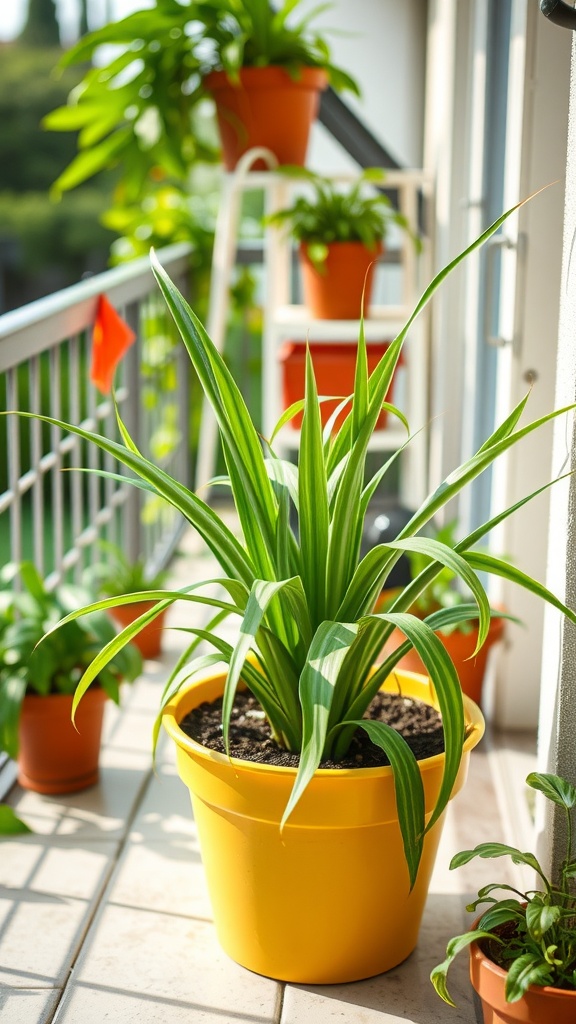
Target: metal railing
[(56, 518)]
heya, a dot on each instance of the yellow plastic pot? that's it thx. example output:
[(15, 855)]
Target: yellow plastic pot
[(328, 900)]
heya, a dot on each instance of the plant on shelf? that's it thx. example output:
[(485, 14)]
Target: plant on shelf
[(340, 230), (116, 575), (143, 109), (37, 681), (305, 653), (459, 638), (523, 947)]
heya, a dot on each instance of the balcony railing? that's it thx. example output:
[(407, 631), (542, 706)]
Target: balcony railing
[(56, 518)]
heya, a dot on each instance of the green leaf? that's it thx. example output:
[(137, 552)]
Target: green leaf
[(438, 977), (490, 850), (90, 161), (329, 647), (261, 595), (459, 565), (540, 917), (528, 969), (408, 789), (560, 791), (313, 516), (10, 823)]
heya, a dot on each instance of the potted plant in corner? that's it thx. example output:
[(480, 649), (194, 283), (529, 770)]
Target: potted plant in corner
[(329, 862), (263, 67), (340, 232), (116, 575), (523, 948), (37, 683), (461, 638)]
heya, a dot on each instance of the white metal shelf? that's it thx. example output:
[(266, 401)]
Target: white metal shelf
[(284, 321), (383, 324)]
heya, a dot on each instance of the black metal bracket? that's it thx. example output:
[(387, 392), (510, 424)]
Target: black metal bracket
[(559, 13)]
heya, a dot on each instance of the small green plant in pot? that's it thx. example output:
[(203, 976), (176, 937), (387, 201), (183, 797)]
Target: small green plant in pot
[(305, 661), (38, 680), (116, 575), (340, 230), (523, 947)]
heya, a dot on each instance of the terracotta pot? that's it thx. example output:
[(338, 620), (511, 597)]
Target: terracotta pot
[(267, 108), (277, 896), (539, 1005), (334, 292), (54, 756), (334, 367), (460, 647), (149, 640)]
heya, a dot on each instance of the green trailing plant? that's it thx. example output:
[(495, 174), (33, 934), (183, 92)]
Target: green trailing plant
[(303, 598), (116, 574), (338, 213), (27, 612), (531, 935)]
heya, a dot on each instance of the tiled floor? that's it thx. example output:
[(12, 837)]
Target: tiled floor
[(104, 914)]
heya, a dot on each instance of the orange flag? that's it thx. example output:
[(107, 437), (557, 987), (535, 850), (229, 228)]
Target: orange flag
[(111, 337)]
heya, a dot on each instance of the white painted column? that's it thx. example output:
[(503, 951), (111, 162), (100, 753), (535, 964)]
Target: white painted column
[(557, 738)]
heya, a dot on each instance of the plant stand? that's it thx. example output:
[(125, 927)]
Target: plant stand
[(286, 321)]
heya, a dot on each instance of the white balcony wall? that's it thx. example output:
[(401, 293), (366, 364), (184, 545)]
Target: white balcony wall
[(382, 43)]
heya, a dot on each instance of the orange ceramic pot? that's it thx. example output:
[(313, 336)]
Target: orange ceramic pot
[(334, 291), (268, 107), (460, 647), (334, 369), (539, 1005), (54, 756), (149, 640), (277, 895)]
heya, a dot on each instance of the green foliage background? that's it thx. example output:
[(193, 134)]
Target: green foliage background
[(44, 245)]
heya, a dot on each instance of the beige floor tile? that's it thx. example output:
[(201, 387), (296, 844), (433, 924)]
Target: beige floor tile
[(99, 812), (157, 957), (401, 996), (166, 877), (92, 1005), (166, 809), (46, 904), (28, 1006)]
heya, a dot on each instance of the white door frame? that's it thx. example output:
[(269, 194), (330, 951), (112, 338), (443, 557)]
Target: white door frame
[(530, 283)]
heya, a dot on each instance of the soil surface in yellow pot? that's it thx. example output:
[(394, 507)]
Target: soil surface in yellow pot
[(326, 900)]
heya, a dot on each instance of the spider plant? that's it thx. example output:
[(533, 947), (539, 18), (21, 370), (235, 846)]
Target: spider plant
[(308, 635)]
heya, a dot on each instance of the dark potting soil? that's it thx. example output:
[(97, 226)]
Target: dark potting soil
[(251, 739)]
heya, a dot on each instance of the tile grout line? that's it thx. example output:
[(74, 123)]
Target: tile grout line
[(279, 1002)]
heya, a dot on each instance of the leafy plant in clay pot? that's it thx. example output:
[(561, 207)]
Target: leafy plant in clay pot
[(38, 680), (523, 947), (304, 666), (340, 230), (144, 107), (116, 575)]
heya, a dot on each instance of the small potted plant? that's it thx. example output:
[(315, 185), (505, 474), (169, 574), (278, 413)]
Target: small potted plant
[(263, 67), (340, 231), (38, 680), (116, 575), (459, 638), (523, 948), (307, 797)]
